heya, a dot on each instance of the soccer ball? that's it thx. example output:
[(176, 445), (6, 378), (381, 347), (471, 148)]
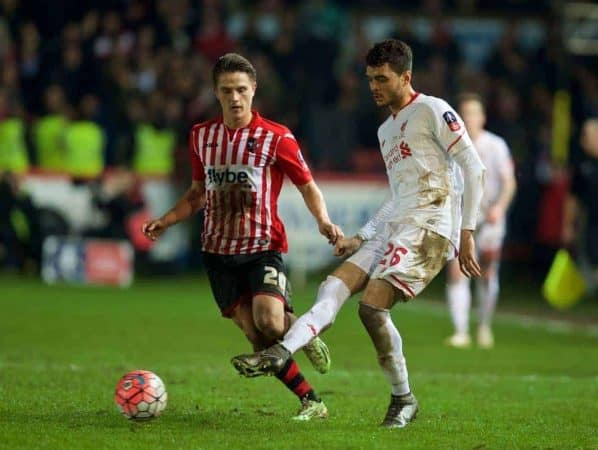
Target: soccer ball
[(140, 394)]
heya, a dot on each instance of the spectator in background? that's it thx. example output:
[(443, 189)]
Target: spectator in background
[(124, 52), (508, 62), (72, 73), (13, 149), (155, 140), (335, 127), (30, 66), (21, 233), (85, 141), (581, 207), (212, 39), (49, 131)]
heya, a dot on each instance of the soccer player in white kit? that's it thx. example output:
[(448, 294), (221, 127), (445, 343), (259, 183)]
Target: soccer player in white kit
[(408, 241), (499, 189)]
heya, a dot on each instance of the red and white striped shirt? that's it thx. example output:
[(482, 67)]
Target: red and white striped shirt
[(243, 170)]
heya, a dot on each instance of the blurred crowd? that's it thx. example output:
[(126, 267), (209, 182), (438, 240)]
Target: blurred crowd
[(86, 86)]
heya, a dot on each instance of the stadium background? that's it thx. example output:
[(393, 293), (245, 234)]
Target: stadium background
[(90, 91)]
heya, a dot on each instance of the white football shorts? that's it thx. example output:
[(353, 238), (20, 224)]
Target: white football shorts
[(489, 236), (405, 255)]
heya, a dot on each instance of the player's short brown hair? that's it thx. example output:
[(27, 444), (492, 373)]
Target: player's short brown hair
[(464, 97), (396, 53), (233, 62)]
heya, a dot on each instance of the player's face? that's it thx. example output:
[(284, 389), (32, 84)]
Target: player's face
[(473, 115), (388, 87), (235, 91)]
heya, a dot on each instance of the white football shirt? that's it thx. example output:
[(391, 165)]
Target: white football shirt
[(495, 155), (426, 182)]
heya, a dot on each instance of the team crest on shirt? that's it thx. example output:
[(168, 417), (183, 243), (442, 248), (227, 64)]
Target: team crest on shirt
[(399, 151), (451, 121), (403, 126), (251, 145)]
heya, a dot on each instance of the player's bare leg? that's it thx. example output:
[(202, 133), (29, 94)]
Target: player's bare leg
[(242, 316), (374, 311), (272, 321), (332, 294), (459, 302)]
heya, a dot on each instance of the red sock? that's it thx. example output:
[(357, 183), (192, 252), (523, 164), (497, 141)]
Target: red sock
[(292, 378)]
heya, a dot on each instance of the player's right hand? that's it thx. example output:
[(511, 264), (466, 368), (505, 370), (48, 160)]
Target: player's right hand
[(467, 258), (345, 247), (154, 229), (331, 231)]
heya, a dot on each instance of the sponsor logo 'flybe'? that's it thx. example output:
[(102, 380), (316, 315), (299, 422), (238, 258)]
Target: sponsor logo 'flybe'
[(227, 176)]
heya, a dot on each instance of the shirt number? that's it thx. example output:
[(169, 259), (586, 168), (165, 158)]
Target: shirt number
[(275, 278), (396, 253)]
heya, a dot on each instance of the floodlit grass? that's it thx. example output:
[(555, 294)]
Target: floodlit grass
[(62, 350)]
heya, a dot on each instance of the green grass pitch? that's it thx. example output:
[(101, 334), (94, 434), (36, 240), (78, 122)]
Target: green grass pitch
[(62, 350)]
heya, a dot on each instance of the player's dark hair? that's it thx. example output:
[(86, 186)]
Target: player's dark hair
[(470, 97), (396, 53), (233, 62)]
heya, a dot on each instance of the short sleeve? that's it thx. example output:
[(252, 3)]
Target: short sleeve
[(196, 163), (448, 127), (291, 162)]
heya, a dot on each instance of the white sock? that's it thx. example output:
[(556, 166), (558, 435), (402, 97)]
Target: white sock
[(333, 293), (487, 296), (389, 346), (459, 300)]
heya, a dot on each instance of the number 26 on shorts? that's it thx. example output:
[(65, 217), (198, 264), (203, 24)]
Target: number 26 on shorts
[(396, 253)]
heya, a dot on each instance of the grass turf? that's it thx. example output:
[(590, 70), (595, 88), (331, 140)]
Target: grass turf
[(62, 350)]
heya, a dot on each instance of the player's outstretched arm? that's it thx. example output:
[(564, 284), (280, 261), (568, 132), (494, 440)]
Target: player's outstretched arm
[(314, 200), (346, 246), (368, 231), (192, 201)]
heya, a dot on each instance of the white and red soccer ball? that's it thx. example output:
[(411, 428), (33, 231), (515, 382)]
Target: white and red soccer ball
[(140, 394)]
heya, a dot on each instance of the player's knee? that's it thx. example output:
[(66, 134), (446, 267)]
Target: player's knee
[(269, 325), (489, 273), (372, 317), (461, 283)]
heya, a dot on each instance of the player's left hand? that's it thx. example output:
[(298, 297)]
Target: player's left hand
[(467, 259), (495, 213), (345, 247), (331, 231)]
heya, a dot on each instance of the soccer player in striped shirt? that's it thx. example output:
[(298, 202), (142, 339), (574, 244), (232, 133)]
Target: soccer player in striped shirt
[(239, 161)]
